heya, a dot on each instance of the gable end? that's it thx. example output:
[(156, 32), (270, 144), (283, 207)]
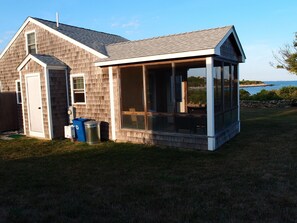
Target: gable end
[(55, 32), (229, 49)]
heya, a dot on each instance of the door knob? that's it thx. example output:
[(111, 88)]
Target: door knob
[(39, 107)]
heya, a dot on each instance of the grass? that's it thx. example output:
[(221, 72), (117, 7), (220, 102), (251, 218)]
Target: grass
[(252, 178)]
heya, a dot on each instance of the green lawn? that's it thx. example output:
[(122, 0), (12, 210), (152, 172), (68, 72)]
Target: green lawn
[(252, 178)]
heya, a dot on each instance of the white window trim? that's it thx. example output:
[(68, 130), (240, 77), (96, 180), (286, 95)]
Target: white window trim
[(18, 92), (72, 92), (0, 87), (26, 37)]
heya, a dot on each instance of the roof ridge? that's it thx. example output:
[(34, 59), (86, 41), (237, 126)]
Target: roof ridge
[(88, 29), (169, 35)]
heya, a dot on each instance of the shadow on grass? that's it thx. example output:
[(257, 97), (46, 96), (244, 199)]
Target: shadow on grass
[(246, 180)]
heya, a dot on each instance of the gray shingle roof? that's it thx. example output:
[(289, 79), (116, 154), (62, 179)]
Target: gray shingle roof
[(93, 39), (178, 43), (49, 60)]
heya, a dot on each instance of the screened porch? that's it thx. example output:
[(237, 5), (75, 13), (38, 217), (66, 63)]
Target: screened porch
[(172, 96)]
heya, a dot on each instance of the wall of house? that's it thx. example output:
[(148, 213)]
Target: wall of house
[(227, 134), (8, 74), (78, 60)]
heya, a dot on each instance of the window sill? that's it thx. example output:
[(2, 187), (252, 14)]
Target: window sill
[(79, 103)]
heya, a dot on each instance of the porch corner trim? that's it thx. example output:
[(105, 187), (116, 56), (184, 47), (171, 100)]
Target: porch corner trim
[(210, 103), (112, 112), (211, 143)]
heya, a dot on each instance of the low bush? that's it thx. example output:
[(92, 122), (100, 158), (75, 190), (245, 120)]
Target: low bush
[(244, 94), (265, 95), (288, 93)]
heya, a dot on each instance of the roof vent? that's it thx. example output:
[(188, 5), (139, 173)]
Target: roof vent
[(57, 19)]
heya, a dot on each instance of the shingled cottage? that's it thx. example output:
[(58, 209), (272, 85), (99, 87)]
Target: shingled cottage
[(179, 90)]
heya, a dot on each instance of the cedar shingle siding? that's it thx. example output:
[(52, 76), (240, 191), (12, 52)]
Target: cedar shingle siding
[(77, 60)]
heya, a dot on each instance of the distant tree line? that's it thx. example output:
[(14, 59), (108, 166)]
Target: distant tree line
[(196, 81), (249, 82)]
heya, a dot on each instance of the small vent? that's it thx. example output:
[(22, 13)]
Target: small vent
[(57, 19)]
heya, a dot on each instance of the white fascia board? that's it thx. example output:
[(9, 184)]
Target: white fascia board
[(157, 57), (15, 36), (26, 60), (231, 31), (29, 19)]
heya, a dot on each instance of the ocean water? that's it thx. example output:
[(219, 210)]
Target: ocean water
[(276, 85)]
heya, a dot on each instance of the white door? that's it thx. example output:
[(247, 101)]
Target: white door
[(34, 105)]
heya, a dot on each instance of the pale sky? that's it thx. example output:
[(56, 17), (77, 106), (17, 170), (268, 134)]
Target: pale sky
[(262, 25)]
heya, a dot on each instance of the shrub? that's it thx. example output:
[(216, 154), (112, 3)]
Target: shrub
[(265, 95), (244, 95), (289, 92)]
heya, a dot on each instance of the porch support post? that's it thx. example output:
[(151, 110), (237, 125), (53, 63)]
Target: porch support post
[(210, 104), (111, 95), (238, 96)]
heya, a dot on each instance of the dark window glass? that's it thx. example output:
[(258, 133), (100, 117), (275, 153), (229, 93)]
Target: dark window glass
[(78, 89), (31, 43), (18, 92)]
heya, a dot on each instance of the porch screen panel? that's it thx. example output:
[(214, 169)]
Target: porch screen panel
[(160, 88), (191, 97), (226, 95), (132, 97), (218, 95), (234, 86), (160, 97), (227, 86), (234, 94)]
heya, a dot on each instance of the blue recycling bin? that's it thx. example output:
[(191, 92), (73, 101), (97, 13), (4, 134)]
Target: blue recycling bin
[(79, 127)]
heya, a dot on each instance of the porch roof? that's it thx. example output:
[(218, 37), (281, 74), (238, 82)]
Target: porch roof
[(197, 43), (43, 60)]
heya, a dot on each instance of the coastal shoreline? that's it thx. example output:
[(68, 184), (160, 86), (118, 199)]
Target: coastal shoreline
[(255, 85)]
